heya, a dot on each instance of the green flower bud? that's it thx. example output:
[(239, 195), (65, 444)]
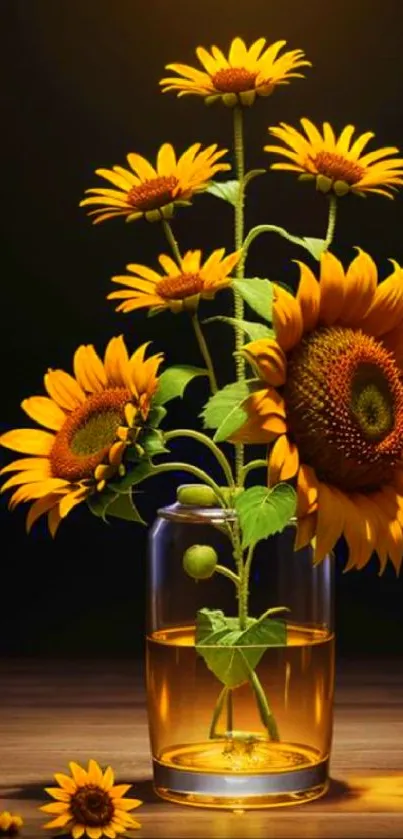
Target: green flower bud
[(230, 99), (323, 184), (306, 177), (200, 561), (341, 188), (197, 495)]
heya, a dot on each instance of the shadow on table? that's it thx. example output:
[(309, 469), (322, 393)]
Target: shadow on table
[(143, 789)]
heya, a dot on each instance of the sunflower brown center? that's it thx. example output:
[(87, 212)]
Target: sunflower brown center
[(344, 400), (234, 80), (153, 193), (177, 288), (84, 440), (92, 806), (337, 167)]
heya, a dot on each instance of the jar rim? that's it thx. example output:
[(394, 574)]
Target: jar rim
[(187, 512)]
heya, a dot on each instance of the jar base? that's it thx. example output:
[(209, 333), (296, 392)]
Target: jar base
[(258, 775)]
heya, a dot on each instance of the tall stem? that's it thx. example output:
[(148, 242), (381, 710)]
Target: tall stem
[(205, 352), (172, 241), (332, 220), (206, 441), (239, 233)]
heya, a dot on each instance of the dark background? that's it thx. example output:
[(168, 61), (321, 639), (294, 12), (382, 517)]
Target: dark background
[(80, 90)]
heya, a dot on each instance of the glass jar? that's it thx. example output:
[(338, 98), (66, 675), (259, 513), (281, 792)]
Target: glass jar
[(212, 746)]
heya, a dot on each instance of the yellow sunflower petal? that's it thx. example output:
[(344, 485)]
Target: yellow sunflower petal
[(266, 356), (28, 441), (283, 460), (307, 490), (359, 289), (108, 779), (308, 297), (109, 832), (166, 160), (79, 774), (77, 831), (116, 362), (331, 520), (28, 477), (94, 832), (28, 492), (25, 463), (306, 529), (56, 807), (70, 500), (386, 310), (44, 411), (65, 782), (141, 166), (95, 774), (59, 794), (360, 530), (119, 790), (331, 288), (64, 390), (54, 520), (60, 821), (287, 319), (127, 804), (89, 370)]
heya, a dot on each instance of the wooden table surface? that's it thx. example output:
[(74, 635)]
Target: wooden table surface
[(51, 713)]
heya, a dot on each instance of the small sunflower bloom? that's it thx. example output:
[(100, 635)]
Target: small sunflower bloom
[(238, 78), (337, 163), (331, 405), (10, 824), (90, 419), (153, 192), (89, 804), (180, 286)]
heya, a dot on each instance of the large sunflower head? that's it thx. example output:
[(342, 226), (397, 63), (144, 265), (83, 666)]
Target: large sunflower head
[(179, 287), (337, 163), (89, 804), (238, 78), (145, 190), (90, 419), (334, 381)]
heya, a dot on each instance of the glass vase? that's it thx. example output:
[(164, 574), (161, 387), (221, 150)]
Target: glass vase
[(212, 746)]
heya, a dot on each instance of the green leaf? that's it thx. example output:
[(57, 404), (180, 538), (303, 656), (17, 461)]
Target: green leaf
[(227, 190), (173, 382), (100, 501), (314, 246), (134, 476), (225, 412), (153, 442), (253, 174), (123, 507), (156, 415), (264, 511), (254, 331), (258, 294), (231, 653)]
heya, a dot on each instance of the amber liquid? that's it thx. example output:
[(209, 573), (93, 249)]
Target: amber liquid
[(182, 694)]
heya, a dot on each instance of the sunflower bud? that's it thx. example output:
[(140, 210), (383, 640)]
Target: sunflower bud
[(323, 184), (341, 188), (200, 561), (196, 495)]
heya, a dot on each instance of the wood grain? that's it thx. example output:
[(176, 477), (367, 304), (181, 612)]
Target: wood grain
[(51, 713)]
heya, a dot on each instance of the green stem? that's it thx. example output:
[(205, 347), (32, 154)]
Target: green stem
[(205, 352), (194, 470), (227, 573), (273, 611), (230, 714), (172, 241), (217, 712), (332, 220), (253, 464), (202, 438), (266, 715), (244, 586), (239, 233)]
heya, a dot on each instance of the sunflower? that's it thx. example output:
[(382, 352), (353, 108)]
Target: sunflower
[(180, 287), (337, 163), (152, 192), (10, 824), (89, 803), (90, 419), (238, 79), (334, 406)]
